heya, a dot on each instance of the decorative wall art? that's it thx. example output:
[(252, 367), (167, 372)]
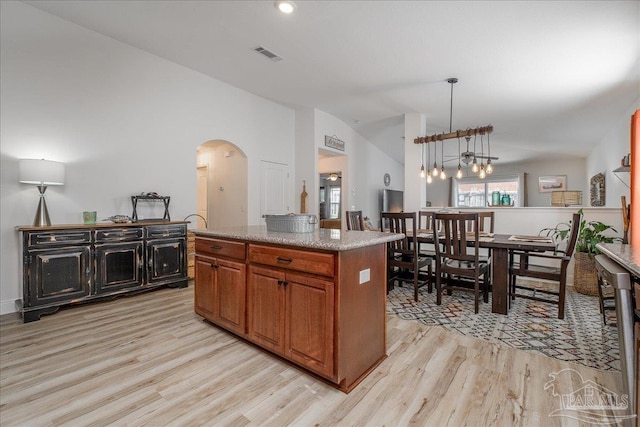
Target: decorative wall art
[(549, 183), (597, 190)]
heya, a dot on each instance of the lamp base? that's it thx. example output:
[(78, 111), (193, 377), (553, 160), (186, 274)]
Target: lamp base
[(42, 213)]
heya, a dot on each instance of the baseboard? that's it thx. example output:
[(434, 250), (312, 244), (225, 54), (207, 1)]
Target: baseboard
[(8, 306)]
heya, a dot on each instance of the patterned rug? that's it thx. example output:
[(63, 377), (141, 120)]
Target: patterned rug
[(533, 326)]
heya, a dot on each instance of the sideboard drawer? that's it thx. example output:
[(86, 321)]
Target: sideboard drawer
[(125, 234), (58, 237), (306, 261), (223, 248), (166, 231)]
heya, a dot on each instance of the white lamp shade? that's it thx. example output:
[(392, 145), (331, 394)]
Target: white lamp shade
[(41, 172)]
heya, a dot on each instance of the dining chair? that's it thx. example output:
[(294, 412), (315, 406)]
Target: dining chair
[(404, 261), (457, 256), (485, 224), (355, 220), (485, 221), (607, 298), (549, 266)]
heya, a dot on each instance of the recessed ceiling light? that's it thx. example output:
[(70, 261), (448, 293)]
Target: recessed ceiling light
[(285, 6)]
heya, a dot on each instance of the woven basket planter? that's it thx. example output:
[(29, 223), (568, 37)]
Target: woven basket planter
[(585, 276)]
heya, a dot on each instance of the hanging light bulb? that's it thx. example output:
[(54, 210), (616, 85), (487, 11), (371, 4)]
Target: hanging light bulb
[(429, 180), (435, 156), (482, 171), (474, 164), (442, 174), (422, 158), (489, 166), (459, 172), (422, 173)]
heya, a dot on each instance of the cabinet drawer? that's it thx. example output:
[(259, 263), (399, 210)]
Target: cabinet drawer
[(166, 231), (66, 237), (307, 261), (118, 234), (223, 248)]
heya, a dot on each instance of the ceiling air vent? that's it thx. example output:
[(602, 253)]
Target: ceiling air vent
[(272, 56)]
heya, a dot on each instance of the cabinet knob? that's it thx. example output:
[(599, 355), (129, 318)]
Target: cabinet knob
[(284, 260), (214, 265), (216, 247)]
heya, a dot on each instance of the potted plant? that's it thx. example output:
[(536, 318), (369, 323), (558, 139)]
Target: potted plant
[(585, 277)]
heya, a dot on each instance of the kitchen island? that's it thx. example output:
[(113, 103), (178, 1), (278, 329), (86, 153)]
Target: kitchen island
[(317, 299)]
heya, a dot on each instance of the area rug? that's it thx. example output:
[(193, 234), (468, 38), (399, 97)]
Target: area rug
[(581, 337)]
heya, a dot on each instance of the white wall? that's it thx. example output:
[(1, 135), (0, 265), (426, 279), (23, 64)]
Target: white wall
[(121, 120), (362, 178), (606, 156)]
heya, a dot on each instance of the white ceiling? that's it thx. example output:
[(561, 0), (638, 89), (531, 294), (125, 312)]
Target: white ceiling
[(551, 77)]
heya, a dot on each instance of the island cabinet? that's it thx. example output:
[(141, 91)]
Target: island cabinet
[(70, 264), (291, 313), (315, 301), (220, 283)]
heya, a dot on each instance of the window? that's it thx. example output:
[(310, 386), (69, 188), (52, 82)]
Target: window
[(473, 192), (334, 196)]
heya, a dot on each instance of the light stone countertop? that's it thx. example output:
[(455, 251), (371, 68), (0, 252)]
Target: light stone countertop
[(324, 239), (625, 255)]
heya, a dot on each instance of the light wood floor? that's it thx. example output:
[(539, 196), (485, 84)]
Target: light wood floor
[(149, 360)]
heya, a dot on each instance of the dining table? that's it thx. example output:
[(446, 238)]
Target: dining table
[(500, 245)]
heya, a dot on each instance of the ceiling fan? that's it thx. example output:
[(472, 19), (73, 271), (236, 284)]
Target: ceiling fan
[(467, 156)]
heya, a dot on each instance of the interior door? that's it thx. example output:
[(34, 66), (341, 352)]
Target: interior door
[(274, 198)]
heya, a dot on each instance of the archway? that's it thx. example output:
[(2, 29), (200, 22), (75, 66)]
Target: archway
[(222, 171)]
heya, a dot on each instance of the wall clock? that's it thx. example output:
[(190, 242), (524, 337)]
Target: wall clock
[(387, 179)]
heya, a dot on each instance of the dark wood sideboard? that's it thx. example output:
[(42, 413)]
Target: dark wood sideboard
[(69, 264)]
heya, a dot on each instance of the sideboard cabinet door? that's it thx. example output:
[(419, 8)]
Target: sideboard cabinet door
[(57, 274)]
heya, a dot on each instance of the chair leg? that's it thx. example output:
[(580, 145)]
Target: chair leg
[(415, 285), (485, 289), (561, 298), (438, 288), (476, 292), (430, 279)]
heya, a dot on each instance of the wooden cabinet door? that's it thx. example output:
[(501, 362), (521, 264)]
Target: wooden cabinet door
[(265, 308), (230, 292), (204, 289), (309, 322), (57, 275)]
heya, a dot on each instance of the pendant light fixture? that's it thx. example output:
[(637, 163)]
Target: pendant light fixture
[(422, 159), (465, 157), (429, 179), (435, 172), (474, 163), (443, 175), (459, 172), (489, 166), (482, 174)]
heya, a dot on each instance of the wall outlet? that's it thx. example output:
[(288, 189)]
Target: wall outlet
[(365, 276)]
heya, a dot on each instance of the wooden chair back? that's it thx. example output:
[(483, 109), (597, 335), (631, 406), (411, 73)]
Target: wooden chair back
[(485, 222), (355, 220), (400, 222), (451, 243)]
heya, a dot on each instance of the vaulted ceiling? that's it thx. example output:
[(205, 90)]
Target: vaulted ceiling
[(552, 77)]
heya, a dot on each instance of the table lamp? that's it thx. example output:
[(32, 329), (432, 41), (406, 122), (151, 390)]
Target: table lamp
[(41, 173)]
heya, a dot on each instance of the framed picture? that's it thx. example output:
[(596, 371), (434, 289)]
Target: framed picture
[(549, 183)]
